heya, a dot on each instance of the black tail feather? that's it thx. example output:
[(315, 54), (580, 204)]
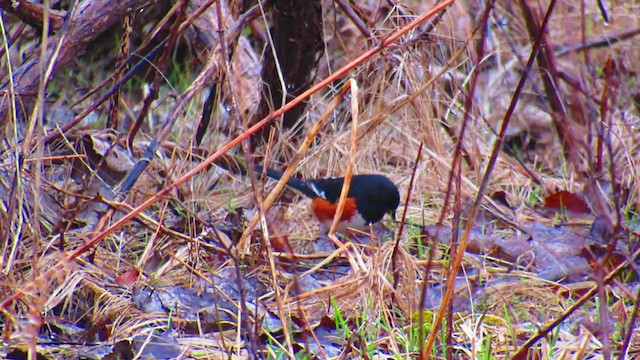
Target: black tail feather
[(293, 182)]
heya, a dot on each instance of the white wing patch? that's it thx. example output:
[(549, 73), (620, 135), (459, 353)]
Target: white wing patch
[(315, 189)]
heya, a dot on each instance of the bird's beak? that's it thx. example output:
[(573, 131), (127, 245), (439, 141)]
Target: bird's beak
[(393, 214)]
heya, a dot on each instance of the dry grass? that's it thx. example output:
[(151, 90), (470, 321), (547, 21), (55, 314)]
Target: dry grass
[(411, 93)]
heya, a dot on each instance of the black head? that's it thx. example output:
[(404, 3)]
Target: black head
[(376, 195)]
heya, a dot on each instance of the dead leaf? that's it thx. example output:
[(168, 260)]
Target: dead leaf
[(127, 278), (567, 201)]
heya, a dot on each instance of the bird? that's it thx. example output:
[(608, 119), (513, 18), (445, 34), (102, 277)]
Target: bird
[(370, 198)]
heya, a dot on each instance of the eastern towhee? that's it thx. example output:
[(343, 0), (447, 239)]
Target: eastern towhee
[(370, 197)]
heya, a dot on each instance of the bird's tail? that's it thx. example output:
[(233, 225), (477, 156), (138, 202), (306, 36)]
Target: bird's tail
[(293, 182), (235, 166)]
